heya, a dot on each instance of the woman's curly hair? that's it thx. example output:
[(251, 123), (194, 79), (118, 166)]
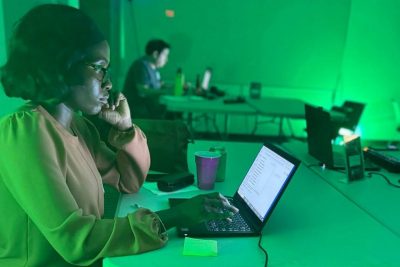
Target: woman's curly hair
[(45, 45)]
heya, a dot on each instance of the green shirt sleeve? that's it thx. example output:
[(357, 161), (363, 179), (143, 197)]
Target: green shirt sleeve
[(56, 216)]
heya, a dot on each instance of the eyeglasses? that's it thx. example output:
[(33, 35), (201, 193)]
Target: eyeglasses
[(106, 73)]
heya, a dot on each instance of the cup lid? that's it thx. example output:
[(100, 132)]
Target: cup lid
[(207, 154)]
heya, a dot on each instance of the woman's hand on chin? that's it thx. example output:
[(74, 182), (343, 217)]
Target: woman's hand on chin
[(117, 112)]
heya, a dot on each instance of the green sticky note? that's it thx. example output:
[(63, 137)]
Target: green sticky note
[(200, 247)]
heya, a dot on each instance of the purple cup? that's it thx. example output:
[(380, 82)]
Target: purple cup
[(207, 167)]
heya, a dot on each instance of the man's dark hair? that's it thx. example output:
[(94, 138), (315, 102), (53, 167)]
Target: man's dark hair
[(156, 45), (46, 44)]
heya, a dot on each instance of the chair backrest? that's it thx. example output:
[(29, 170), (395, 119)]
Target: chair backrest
[(353, 111), (319, 133), (168, 141)]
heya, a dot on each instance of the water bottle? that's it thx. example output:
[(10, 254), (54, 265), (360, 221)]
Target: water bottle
[(179, 82)]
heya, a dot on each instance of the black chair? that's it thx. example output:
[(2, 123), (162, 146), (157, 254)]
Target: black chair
[(168, 143), (351, 112)]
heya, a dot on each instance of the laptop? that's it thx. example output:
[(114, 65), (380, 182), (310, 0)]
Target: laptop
[(320, 133), (205, 82), (256, 197)]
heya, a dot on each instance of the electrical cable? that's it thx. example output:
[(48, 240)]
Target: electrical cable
[(384, 177), (264, 250)]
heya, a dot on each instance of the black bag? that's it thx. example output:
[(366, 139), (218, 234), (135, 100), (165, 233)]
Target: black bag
[(168, 142)]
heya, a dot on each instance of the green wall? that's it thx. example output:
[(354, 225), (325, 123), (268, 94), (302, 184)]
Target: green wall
[(323, 52), (10, 12), (371, 63), (294, 43)]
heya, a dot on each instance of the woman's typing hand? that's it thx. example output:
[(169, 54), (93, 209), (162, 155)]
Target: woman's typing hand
[(198, 209)]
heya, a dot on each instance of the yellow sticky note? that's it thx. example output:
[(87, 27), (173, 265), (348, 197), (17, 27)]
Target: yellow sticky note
[(200, 247)]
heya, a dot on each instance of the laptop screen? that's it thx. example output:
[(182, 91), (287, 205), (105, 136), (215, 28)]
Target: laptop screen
[(266, 178), (205, 83)]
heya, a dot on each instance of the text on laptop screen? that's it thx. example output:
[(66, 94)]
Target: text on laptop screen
[(263, 182)]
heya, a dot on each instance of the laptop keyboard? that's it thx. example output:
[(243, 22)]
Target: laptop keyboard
[(237, 224)]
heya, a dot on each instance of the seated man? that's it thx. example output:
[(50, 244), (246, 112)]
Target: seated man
[(143, 84)]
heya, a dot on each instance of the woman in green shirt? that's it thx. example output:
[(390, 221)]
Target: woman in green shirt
[(53, 163)]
